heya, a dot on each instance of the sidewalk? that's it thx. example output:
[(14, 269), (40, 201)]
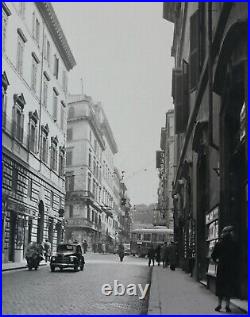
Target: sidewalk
[(176, 293), (18, 265)]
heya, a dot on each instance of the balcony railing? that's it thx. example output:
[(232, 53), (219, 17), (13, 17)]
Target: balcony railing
[(79, 194), (83, 223)]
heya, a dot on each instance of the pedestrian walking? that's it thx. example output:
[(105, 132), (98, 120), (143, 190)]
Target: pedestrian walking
[(158, 254), (225, 254), (151, 255), (85, 246), (47, 250), (121, 251), (172, 255), (164, 254)]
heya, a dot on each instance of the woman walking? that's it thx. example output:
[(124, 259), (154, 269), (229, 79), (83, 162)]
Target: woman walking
[(225, 253)]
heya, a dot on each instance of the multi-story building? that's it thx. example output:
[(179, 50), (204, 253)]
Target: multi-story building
[(35, 61), (163, 213), (210, 96), (85, 145), (92, 200)]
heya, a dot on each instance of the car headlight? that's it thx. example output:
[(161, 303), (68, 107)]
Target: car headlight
[(53, 258), (71, 258)]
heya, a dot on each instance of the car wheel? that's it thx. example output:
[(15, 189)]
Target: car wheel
[(61, 269), (82, 266), (76, 267), (52, 268)]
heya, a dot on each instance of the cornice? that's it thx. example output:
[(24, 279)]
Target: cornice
[(55, 29)]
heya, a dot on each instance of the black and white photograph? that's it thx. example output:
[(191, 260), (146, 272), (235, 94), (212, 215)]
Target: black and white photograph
[(124, 158)]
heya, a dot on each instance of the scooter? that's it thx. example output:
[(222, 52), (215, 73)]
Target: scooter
[(33, 261)]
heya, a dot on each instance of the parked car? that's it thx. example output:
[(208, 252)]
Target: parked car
[(68, 255)]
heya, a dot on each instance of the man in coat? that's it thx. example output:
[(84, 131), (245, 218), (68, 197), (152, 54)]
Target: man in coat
[(151, 255), (225, 254), (172, 255), (164, 254)]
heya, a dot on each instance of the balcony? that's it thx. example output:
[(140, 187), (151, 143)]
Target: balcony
[(79, 194), (82, 223)]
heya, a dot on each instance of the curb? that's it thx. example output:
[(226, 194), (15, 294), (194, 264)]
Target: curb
[(154, 303), (19, 267)]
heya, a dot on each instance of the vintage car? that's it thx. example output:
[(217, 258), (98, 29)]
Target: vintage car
[(68, 255)]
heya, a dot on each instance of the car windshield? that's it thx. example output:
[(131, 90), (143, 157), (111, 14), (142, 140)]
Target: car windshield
[(66, 247)]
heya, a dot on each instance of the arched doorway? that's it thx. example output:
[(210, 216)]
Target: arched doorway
[(40, 222)]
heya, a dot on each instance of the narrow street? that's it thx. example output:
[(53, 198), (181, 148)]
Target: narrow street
[(67, 292)]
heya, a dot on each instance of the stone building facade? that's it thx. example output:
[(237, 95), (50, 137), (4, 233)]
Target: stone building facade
[(93, 184), (165, 164), (36, 59), (209, 90)]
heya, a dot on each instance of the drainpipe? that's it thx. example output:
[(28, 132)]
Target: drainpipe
[(210, 78), (40, 102)]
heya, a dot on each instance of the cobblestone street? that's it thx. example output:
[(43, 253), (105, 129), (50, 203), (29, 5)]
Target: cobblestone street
[(67, 292)]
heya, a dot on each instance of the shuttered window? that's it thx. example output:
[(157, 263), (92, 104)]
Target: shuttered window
[(186, 111), (178, 99), (194, 50), (55, 105)]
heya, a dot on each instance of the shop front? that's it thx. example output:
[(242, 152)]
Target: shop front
[(18, 222)]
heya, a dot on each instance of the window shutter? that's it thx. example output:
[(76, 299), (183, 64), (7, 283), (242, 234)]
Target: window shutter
[(178, 100), (22, 126), (185, 68), (55, 108), (194, 50), (46, 151), (33, 24), (62, 118), (35, 145)]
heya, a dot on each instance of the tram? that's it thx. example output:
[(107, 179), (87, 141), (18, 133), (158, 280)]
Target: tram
[(142, 239)]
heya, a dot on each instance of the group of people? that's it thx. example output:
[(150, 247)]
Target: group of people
[(166, 253), (41, 250), (225, 255)]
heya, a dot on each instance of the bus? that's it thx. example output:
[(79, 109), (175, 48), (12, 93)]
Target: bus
[(141, 239)]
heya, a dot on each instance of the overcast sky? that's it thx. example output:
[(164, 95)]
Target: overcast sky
[(123, 53)]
